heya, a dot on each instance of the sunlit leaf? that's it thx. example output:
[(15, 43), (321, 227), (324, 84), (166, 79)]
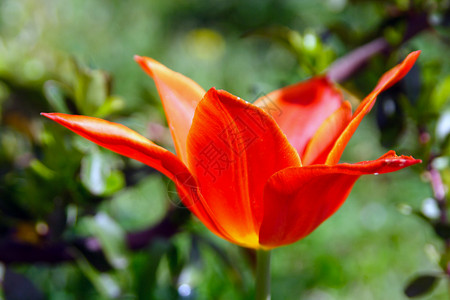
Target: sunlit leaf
[(441, 94), (140, 205), (41, 169), (111, 104), (98, 175)]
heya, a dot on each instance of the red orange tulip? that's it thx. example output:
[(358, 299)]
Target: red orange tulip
[(259, 175)]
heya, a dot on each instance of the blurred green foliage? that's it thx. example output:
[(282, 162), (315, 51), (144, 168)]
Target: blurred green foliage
[(79, 222)]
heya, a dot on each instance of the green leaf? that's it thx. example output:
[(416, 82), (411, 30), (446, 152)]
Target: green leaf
[(312, 55), (97, 90), (444, 261), (111, 237), (145, 268), (80, 89), (104, 283), (421, 285), (42, 170), (114, 182), (55, 93), (91, 89), (140, 205), (441, 94), (97, 173), (174, 261), (111, 104), (4, 94)]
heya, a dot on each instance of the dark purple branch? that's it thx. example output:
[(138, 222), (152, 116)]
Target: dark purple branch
[(344, 67), (13, 251), (168, 227), (351, 63)]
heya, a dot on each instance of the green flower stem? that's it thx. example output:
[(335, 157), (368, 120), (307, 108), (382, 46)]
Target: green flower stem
[(262, 285)]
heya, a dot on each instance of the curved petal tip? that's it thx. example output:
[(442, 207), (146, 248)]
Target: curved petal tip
[(51, 116), (146, 64), (415, 53)]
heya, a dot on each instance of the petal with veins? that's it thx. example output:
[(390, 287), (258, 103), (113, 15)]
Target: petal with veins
[(323, 140), (234, 147), (301, 108), (179, 95), (386, 81), (297, 200), (129, 143)]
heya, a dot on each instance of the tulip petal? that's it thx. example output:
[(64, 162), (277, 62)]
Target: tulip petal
[(323, 140), (234, 147), (179, 95), (297, 200), (387, 80), (129, 143), (301, 108)]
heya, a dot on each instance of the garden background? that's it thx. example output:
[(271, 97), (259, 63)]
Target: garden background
[(79, 222)]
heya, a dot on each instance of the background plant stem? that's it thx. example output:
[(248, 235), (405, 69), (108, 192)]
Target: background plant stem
[(262, 285)]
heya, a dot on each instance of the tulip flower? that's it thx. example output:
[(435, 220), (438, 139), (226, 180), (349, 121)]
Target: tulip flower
[(259, 175)]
